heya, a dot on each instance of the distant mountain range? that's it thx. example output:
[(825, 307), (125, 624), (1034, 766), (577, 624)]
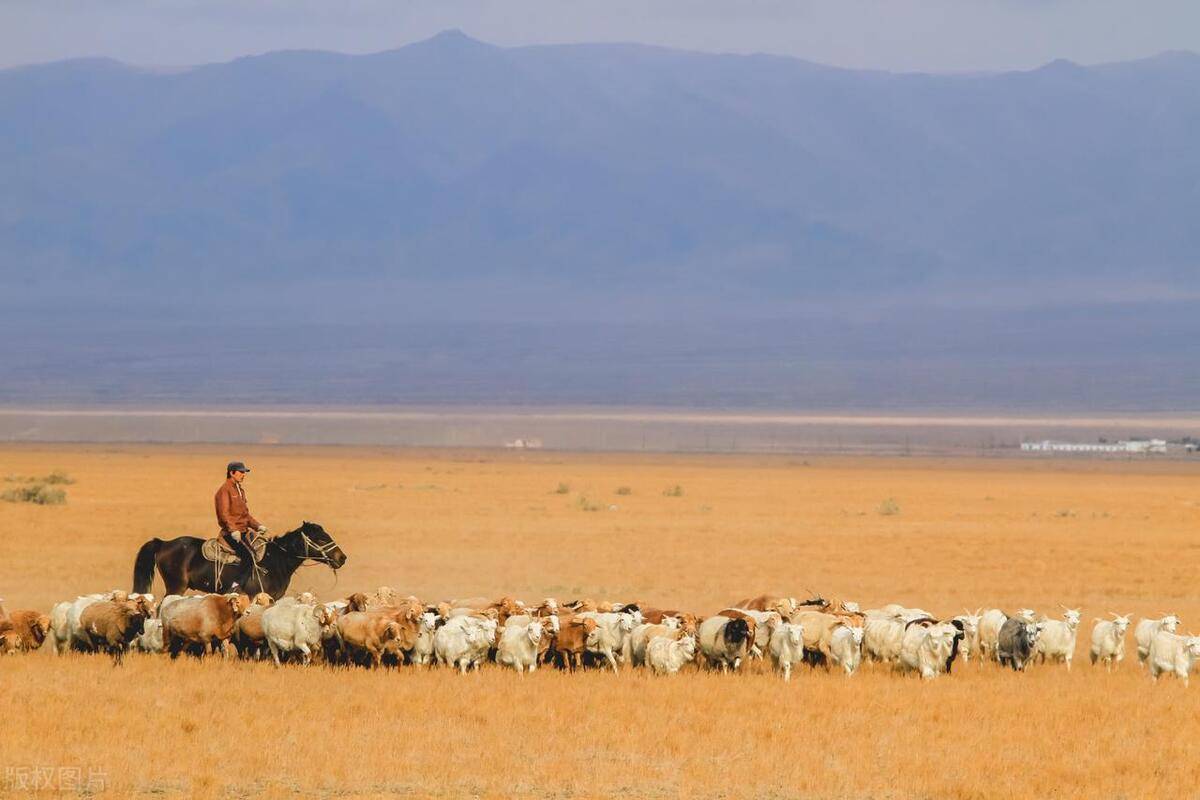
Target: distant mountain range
[(455, 180), (562, 173)]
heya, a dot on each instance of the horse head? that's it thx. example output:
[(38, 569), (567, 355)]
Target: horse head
[(319, 546)]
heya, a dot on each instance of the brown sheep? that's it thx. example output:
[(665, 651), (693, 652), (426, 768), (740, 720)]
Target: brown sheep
[(10, 643), (360, 602), (110, 625), (572, 640), (144, 603), (370, 632), (206, 621), (248, 635), (500, 609), (687, 620), (547, 608), (30, 627), (818, 633), (408, 617), (408, 608), (784, 606)]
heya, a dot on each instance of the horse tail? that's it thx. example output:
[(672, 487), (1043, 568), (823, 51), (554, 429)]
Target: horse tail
[(143, 566)]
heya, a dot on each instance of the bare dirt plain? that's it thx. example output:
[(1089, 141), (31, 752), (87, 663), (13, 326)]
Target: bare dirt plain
[(1116, 536)]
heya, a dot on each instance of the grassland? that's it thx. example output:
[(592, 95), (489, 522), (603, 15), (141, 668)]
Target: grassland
[(1117, 536)]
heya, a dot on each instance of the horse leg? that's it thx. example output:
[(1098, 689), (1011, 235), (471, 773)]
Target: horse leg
[(175, 584)]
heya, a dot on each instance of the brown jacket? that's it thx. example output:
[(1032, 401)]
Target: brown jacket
[(232, 512)]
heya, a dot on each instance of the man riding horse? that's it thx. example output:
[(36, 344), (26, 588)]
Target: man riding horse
[(267, 564), (239, 529)]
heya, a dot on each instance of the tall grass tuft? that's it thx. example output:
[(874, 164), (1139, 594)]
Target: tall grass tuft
[(39, 494), (58, 478), (587, 505)]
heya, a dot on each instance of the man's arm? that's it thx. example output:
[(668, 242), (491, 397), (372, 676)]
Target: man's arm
[(223, 511)]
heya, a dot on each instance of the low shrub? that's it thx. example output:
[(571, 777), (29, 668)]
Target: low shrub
[(37, 493)]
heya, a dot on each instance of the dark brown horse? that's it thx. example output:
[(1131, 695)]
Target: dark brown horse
[(183, 567)]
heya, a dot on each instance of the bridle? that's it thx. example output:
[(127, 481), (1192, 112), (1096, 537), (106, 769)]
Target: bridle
[(322, 550), (317, 553)]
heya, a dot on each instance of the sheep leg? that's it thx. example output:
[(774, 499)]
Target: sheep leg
[(612, 662), (274, 651)]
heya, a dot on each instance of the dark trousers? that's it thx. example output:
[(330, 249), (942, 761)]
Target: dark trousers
[(242, 548)]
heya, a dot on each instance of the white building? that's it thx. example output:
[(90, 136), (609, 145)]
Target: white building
[(524, 444), (1138, 446)]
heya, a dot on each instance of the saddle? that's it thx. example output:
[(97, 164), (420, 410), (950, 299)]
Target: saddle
[(218, 551)]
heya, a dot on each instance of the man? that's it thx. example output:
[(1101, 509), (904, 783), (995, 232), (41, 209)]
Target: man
[(238, 528)]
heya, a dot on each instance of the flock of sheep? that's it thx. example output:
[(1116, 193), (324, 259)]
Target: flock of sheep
[(386, 628)]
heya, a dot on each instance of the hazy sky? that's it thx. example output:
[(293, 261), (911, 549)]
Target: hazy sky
[(934, 35)]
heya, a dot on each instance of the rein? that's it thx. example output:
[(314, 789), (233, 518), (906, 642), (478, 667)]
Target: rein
[(322, 550)]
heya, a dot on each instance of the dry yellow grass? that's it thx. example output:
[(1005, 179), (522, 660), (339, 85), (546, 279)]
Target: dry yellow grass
[(1107, 536)]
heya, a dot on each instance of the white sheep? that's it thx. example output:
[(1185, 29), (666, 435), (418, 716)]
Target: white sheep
[(667, 656), (786, 647), (518, 647)]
